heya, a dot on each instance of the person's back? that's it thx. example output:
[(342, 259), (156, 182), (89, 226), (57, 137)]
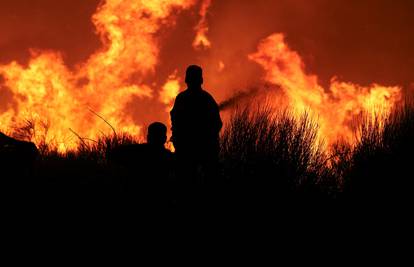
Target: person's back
[(195, 118), (196, 125)]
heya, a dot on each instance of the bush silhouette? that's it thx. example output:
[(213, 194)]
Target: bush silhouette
[(273, 155), (380, 165)]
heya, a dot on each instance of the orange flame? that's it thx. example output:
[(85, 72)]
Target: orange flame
[(337, 107), (47, 91), (201, 40), (61, 100), (169, 91)]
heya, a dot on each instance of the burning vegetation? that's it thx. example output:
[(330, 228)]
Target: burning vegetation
[(60, 101)]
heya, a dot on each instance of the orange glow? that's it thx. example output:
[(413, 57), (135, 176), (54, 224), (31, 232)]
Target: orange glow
[(169, 91), (221, 66), (64, 102), (47, 92), (335, 108)]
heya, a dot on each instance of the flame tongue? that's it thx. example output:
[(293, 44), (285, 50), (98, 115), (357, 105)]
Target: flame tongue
[(335, 107), (47, 91), (201, 40)]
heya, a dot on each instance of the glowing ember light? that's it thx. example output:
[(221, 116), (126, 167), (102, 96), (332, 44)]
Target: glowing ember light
[(221, 66)]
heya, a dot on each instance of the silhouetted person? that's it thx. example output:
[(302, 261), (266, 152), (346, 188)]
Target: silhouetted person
[(149, 158), (196, 124), (148, 166)]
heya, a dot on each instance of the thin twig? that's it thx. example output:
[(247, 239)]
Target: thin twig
[(89, 139), (102, 118), (77, 135)]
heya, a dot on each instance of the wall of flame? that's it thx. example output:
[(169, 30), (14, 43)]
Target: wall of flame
[(137, 72)]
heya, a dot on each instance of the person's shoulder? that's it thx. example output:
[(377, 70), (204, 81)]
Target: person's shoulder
[(144, 148), (181, 96), (208, 96), (130, 147), (206, 93)]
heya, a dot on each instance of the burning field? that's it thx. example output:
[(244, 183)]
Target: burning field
[(128, 63), (315, 96)]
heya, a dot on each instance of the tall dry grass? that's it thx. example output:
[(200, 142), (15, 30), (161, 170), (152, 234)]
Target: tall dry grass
[(275, 152), (380, 165)]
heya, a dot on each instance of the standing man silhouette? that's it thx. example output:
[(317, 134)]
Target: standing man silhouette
[(196, 124)]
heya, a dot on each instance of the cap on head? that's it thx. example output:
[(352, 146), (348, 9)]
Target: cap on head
[(194, 76), (157, 134)]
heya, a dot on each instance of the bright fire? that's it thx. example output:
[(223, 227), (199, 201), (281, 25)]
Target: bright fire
[(335, 108), (49, 93), (63, 101)]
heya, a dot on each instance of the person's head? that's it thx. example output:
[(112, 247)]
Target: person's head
[(157, 134), (194, 76)]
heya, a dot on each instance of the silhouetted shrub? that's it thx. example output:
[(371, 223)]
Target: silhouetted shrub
[(273, 152), (381, 162)]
